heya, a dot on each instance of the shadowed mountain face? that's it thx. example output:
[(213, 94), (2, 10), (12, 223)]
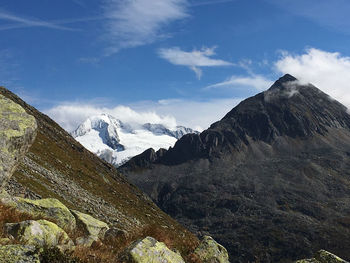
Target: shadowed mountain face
[(270, 181)]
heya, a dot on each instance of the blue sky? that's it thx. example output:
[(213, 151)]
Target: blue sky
[(172, 61)]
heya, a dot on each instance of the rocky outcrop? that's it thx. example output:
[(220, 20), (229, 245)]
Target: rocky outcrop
[(17, 133), (323, 256), (19, 254), (40, 233), (150, 250), (49, 208), (93, 229), (209, 251)]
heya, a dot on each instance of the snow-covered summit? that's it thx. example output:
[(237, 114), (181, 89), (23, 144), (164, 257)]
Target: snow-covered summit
[(116, 142)]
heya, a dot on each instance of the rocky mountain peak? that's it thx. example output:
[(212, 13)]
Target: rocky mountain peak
[(276, 166), (288, 108)]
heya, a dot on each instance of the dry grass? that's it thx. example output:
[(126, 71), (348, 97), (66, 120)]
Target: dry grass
[(111, 249), (11, 215)]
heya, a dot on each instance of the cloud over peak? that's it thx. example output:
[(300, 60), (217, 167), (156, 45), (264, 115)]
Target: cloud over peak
[(133, 23), (194, 59), (329, 71)]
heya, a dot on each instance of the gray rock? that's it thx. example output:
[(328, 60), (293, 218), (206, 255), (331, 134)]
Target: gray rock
[(19, 254), (209, 251), (150, 250), (94, 229), (323, 256), (40, 233), (17, 133)]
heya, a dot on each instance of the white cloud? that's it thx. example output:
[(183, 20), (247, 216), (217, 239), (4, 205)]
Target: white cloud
[(133, 23), (257, 82), (194, 59), (329, 71), (172, 112)]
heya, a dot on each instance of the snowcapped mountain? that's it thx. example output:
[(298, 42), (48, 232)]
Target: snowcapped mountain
[(116, 142)]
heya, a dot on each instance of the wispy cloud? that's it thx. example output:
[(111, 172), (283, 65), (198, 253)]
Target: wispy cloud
[(24, 22), (132, 23), (329, 71), (257, 82), (194, 59)]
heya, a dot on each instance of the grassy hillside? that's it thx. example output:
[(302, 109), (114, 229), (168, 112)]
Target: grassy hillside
[(57, 166)]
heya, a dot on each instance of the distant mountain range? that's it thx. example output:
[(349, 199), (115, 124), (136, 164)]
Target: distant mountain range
[(270, 180), (116, 142)]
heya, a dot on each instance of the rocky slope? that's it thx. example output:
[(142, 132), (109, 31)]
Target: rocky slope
[(116, 142), (56, 166), (270, 181)]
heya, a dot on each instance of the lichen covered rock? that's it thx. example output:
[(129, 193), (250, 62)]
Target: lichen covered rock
[(17, 133), (41, 233), (49, 208), (209, 251), (150, 250), (323, 256), (18, 254), (93, 228)]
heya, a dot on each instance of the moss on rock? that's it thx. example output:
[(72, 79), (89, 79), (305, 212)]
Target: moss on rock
[(40, 233), (17, 133), (93, 228), (150, 250), (18, 254), (209, 251), (49, 208), (323, 256)]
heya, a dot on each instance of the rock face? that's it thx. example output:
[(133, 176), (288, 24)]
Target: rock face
[(17, 133), (209, 251), (40, 233), (323, 256), (19, 254), (150, 250), (94, 229), (270, 181)]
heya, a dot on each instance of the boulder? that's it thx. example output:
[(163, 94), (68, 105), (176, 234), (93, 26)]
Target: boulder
[(40, 233), (17, 133), (93, 228), (150, 250), (49, 208), (18, 254), (209, 251), (323, 256)]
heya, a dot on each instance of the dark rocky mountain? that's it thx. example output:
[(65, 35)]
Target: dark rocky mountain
[(270, 181)]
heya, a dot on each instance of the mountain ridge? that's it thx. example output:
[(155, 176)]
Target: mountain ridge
[(116, 141), (271, 175)]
